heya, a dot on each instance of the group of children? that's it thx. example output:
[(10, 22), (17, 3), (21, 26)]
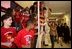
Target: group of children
[(9, 36), (18, 29)]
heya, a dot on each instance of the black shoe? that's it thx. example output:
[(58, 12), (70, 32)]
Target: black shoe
[(61, 45), (45, 44)]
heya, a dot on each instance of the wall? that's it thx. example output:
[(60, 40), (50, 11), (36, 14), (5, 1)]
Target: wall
[(67, 18), (5, 4)]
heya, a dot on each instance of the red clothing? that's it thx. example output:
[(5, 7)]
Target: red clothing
[(18, 17), (7, 32), (26, 18), (23, 36)]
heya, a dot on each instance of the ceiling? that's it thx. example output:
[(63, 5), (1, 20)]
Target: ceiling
[(56, 6), (59, 6), (25, 3)]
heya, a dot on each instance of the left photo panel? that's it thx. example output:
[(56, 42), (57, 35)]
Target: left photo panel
[(19, 24)]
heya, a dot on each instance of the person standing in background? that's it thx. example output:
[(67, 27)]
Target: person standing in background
[(53, 33), (66, 33), (60, 34)]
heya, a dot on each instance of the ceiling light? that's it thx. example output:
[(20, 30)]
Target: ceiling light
[(56, 13)]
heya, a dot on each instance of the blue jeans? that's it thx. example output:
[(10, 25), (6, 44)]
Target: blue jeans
[(52, 39)]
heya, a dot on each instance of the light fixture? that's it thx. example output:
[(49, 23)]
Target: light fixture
[(56, 13)]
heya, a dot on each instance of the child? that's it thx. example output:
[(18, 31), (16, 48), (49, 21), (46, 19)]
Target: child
[(25, 18), (8, 33), (25, 36)]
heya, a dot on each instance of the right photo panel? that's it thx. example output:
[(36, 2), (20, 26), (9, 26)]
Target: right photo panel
[(54, 24)]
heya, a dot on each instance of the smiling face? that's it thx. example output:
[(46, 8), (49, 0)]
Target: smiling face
[(8, 21)]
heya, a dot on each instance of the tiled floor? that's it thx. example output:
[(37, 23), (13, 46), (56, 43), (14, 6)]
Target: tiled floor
[(59, 46)]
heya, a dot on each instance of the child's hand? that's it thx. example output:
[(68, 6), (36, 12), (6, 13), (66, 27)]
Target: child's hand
[(7, 44)]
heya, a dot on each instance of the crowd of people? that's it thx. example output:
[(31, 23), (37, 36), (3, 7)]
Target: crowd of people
[(18, 28), (64, 32), (59, 33)]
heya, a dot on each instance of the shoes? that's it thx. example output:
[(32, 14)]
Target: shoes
[(61, 45), (45, 44)]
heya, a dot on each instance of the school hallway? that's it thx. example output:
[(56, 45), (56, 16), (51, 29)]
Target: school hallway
[(57, 45)]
